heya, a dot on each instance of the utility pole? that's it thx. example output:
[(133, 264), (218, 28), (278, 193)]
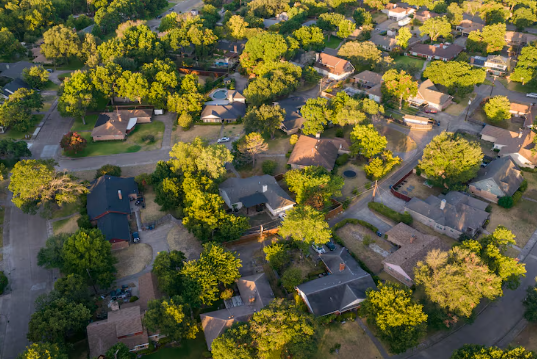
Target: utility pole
[(375, 190), (493, 84), (468, 110)]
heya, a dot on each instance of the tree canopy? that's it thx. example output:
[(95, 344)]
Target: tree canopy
[(498, 108), (474, 351), (367, 141), (458, 77), (450, 160), (171, 317), (314, 185), (363, 55), (264, 119), (167, 267), (491, 39), (306, 225), (436, 27), (399, 85)]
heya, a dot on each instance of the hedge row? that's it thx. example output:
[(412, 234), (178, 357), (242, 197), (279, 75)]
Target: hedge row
[(355, 221), (406, 218)]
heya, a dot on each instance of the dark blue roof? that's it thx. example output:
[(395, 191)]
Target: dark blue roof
[(104, 196), (114, 226)]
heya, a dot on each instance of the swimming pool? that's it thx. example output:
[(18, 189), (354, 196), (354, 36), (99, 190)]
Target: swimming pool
[(219, 94)]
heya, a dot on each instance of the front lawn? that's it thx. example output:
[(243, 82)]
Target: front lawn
[(50, 86), (68, 225), (189, 349), (333, 42), (79, 126), (407, 60), (14, 134), (397, 141), (134, 142), (514, 86)]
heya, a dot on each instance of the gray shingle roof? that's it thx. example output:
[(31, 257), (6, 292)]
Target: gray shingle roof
[(114, 226), (226, 112), (293, 119), (501, 177), (14, 86), (14, 70), (103, 196)]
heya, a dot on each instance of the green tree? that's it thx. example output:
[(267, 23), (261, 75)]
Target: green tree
[(399, 85), (169, 194), (171, 317), (491, 39), (43, 351), (291, 278), (403, 37), (314, 185), (457, 281), (236, 27), (376, 4), (310, 38), (367, 141), (199, 157), (305, 225), (58, 320), (74, 288), (251, 145), (473, 351), (459, 77), (234, 343), (50, 256), (119, 351), (345, 28), (9, 45), (104, 79), (362, 17), (316, 113), (60, 43), (35, 76), (363, 55), (524, 17), (494, 13), (275, 80), (525, 70), (167, 267), (76, 95), (17, 110), (35, 183), (449, 160), (267, 47), (277, 255), (391, 310), (185, 120), (110, 170), (454, 14), (379, 167), (436, 27), (264, 119), (497, 108), (231, 228), (87, 251), (530, 303), (132, 85)]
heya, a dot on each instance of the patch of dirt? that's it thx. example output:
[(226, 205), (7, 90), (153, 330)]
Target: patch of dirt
[(520, 220), (397, 141), (351, 183), (258, 169), (352, 236), (152, 211), (133, 259), (354, 342), (68, 225), (527, 338), (180, 239), (209, 133), (414, 186)]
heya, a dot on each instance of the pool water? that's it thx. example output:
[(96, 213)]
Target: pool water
[(219, 94)]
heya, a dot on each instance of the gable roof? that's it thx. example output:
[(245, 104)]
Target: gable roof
[(115, 226), (14, 70), (333, 64), (414, 247), (460, 211), (520, 108), (238, 189), (383, 41), (117, 123), (14, 86), (519, 37), (293, 119), (428, 92), (501, 177), (369, 78), (147, 290), (104, 197), (342, 290), (310, 151), (469, 25), (230, 111), (512, 142), (441, 51)]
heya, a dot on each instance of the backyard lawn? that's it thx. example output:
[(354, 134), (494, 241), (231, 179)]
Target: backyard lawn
[(189, 349), (514, 86), (520, 220), (407, 60), (397, 141), (249, 171), (79, 126), (351, 183), (50, 86), (333, 42), (134, 142), (279, 145)]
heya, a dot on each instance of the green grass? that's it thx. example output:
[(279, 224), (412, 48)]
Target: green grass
[(514, 86), (62, 77), (134, 142), (14, 134), (58, 224), (79, 126), (333, 43), (66, 210), (407, 60), (189, 349), (49, 86), (74, 64)]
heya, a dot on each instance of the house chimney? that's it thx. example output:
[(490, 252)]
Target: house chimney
[(119, 195), (520, 134), (264, 188), (318, 135), (443, 204), (252, 299), (341, 267), (235, 49), (472, 59), (412, 238)]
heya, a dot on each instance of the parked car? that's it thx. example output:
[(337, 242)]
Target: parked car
[(318, 249), (135, 237), (532, 95), (159, 17), (331, 246), (430, 110), (50, 71), (282, 215), (223, 139)]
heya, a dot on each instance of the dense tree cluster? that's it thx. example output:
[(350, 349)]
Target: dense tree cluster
[(399, 86), (17, 111), (459, 77), (490, 39), (314, 186), (526, 67), (498, 108), (306, 226), (473, 351)]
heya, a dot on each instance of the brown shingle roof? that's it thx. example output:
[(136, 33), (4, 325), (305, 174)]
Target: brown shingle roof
[(428, 92), (441, 51), (310, 151), (414, 247), (368, 77), (148, 291), (115, 123), (520, 108), (469, 25), (333, 64), (513, 142)]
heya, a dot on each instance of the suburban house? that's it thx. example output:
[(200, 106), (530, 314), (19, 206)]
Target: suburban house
[(333, 67), (424, 15), (231, 47), (303, 58), (14, 70), (467, 26), (454, 214), (293, 120), (275, 20), (117, 125), (496, 64), (342, 290), (518, 109), (500, 178), (413, 247), (429, 95), (124, 322), (418, 122), (39, 58), (442, 52), (311, 151), (256, 192), (370, 83), (388, 43), (223, 113), (517, 145), (13, 86), (513, 38), (255, 294), (110, 203), (398, 11)]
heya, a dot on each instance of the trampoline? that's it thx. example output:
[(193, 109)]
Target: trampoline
[(349, 174)]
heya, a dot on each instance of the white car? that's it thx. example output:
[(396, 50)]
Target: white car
[(532, 95), (319, 249), (223, 139)]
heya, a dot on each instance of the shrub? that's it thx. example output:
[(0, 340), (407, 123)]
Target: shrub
[(356, 191), (346, 203), (277, 255), (368, 240), (335, 348), (418, 171), (148, 138), (523, 186), (226, 294), (110, 170), (288, 154), (368, 185), (133, 299), (84, 222), (143, 180), (293, 140), (506, 202), (517, 197), (354, 221), (406, 218), (3, 282), (185, 120), (269, 167), (341, 160), (340, 133), (291, 278)]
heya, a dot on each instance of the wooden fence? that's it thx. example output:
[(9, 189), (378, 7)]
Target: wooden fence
[(398, 194), (201, 72)]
